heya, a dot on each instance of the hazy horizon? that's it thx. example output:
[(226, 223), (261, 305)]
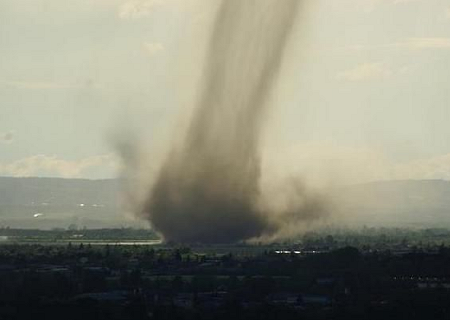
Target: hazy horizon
[(366, 86), (224, 159)]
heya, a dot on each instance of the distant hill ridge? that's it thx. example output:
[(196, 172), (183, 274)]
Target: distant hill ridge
[(96, 203), (400, 203), (57, 191), (58, 202)]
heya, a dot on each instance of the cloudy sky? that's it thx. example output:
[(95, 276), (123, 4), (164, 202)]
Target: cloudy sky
[(365, 90)]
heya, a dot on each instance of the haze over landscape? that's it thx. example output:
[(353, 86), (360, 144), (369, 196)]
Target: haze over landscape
[(359, 96), (415, 204), (224, 159)]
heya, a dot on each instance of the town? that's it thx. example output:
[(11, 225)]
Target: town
[(317, 278)]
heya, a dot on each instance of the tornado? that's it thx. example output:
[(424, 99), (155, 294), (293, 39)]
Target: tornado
[(208, 188)]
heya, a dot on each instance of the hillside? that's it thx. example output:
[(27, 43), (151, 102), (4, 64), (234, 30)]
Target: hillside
[(424, 203), (54, 202), (96, 203)]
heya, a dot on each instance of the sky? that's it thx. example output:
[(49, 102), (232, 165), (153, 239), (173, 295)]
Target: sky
[(363, 94)]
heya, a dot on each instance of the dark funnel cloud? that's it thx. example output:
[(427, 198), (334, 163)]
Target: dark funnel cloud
[(208, 188)]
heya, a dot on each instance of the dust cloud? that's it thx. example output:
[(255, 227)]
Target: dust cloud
[(208, 189)]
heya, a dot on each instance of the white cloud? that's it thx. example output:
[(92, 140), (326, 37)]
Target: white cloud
[(425, 43), (53, 166), (6, 137), (153, 48), (325, 163), (429, 168), (366, 71), (133, 9)]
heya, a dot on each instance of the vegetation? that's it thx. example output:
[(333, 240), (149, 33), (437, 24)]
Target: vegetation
[(316, 278), (74, 234)]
